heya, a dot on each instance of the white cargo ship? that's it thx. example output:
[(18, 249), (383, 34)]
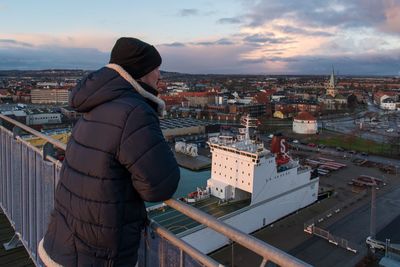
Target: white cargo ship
[(250, 187)]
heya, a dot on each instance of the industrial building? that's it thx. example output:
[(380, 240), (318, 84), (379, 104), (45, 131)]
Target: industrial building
[(181, 127)]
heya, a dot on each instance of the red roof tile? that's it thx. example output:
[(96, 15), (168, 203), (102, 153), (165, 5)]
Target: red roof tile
[(305, 116)]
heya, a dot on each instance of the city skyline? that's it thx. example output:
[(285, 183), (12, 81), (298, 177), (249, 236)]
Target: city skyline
[(221, 37)]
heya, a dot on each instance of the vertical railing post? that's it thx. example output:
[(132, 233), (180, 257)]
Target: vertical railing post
[(31, 239), (263, 263), (146, 236), (181, 258), (233, 252), (162, 251), (16, 183), (48, 150), (25, 192), (7, 168), (38, 201), (2, 169), (48, 191), (16, 131)]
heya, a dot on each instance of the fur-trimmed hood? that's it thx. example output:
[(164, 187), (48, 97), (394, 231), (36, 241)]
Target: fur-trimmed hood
[(107, 84)]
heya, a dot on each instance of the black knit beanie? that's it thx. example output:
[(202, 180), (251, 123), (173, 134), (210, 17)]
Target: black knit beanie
[(135, 56)]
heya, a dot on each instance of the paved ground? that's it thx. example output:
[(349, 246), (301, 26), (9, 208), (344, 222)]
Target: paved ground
[(337, 154), (391, 231), (352, 223), (355, 228)]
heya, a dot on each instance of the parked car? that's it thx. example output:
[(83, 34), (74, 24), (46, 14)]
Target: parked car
[(311, 145), (340, 149), (295, 141), (365, 154), (321, 146)]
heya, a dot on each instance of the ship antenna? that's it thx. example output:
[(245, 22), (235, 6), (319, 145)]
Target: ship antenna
[(247, 136)]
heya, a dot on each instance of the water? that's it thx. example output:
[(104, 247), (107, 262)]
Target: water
[(190, 180)]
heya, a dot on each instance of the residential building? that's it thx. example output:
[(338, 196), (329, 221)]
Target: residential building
[(49, 96)]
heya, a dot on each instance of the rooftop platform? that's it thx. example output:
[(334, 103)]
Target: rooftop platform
[(177, 223), (16, 257)]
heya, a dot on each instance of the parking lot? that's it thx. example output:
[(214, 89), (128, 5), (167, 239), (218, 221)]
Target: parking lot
[(379, 126)]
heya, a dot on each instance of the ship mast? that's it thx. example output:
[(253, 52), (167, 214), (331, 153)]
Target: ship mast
[(248, 122), (247, 135)]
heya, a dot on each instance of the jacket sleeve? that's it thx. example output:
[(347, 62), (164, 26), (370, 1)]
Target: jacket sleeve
[(145, 153)]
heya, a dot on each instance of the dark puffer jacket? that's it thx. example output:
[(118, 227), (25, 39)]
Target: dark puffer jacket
[(116, 158)]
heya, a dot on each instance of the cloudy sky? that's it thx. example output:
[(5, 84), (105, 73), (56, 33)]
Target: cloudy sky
[(359, 37)]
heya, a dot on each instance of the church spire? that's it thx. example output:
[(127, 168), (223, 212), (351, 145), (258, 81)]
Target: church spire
[(331, 86), (332, 80)]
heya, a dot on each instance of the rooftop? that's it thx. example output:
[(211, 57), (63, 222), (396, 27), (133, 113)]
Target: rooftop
[(305, 116), (180, 123)]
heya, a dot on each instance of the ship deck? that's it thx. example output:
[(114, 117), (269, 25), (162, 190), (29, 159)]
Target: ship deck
[(177, 222)]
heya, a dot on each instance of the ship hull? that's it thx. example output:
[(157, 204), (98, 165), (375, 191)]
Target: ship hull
[(253, 217)]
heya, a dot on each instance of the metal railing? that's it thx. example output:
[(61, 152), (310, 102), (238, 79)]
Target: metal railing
[(28, 178)]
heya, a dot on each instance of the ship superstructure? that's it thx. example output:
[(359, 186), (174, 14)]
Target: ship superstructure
[(250, 187)]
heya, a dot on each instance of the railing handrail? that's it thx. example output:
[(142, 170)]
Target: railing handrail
[(28, 129), (190, 250), (268, 252)]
